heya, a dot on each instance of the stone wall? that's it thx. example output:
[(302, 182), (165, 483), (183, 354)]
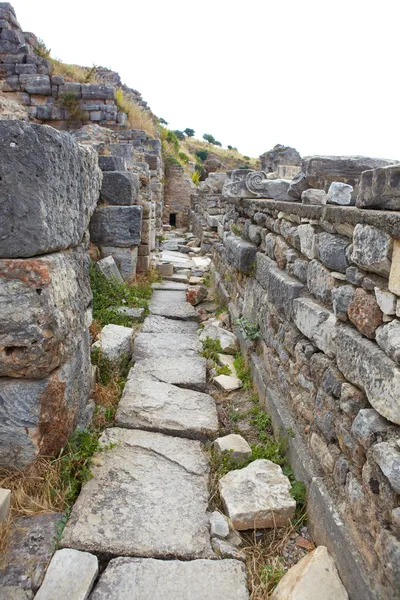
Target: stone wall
[(178, 189), (322, 283), (49, 187)]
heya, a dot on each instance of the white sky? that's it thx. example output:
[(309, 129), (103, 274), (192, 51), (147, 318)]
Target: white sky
[(320, 75)]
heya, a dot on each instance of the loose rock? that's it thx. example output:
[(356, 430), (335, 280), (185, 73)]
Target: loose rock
[(234, 446), (70, 576)]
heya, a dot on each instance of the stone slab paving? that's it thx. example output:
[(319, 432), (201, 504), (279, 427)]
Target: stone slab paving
[(70, 576), (147, 579), (155, 345), (170, 285), (148, 497), (155, 406), (187, 372), (168, 296), (157, 324), (177, 259), (183, 310)]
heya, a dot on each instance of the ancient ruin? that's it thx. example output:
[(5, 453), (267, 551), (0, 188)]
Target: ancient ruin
[(195, 372)]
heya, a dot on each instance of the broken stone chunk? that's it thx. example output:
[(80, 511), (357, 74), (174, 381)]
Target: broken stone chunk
[(365, 313), (115, 342), (70, 576), (340, 193), (228, 383), (312, 196), (196, 294), (108, 268), (228, 340), (234, 446), (372, 249), (219, 526)]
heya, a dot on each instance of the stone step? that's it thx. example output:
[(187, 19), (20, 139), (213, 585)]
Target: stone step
[(154, 345), (187, 372), (155, 406), (148, 579), (177, 259), (156, 324), (148, 498), (168, 296), (182, 310), (170, 285), (178, 278)]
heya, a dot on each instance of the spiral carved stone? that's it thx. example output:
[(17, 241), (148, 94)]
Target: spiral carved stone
[(256, 182)]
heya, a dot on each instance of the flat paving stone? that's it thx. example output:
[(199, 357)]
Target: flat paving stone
[(187, 371), (148, 497), (156, 324), (70, 576), (178, 278), (168, 296), (154, 345), (155, 406), (177, 259), (149, 579), (183, 311), (170, 285)]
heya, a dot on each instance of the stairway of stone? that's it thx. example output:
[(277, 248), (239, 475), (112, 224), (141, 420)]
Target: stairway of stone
[(145, 509)]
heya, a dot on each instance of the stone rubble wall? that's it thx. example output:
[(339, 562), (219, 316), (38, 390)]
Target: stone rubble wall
[(49, 188), (323, 285), (178, 189)]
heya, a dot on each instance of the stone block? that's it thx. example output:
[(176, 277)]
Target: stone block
[(364, 313), (281, 288), (380, 188), (316, 323), (35, 84), (234, 446), (394, 277), (38, 416), (240, 254), (340, 193), (219, 525), (115, 342), (372, 249), (246, 183), (108, 268), (125, 259), (112, 163), (165, 269), (97, 91), (387, 548), (298, 185), (387, 456), (341, 298), (367, 425), (143, 264), (5, 500), (118, 187), (388, 338), (311, 196), (44, 303), (49, 187), (320, 281), (69, 576), (25, 69), (331, 251), (307, 240), (363, 363), (386, 301), (227, 339), (119, 226), (70, 88)]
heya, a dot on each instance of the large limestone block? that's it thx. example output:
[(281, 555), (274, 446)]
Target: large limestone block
[(246, 183), (320, 281), (70, 576), (148, 497), (171, 310), (372, 249), (257, 496), (44, 308), (187, 372), (115, 342), (380, 188), (240, 254), (281, 288), (156, 406), (119, 226), (363, 363), (38, 416), (108, 268), (157, 324), (331, 250), (149, 579), (154, 345), (314, 577), (49, 187), (119, 187), (316, 323), (125, 259), (227, 339)]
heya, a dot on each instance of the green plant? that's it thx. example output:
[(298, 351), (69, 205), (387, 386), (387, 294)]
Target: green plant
[(71, 103), (271, 575), (223, 370), (211, 349), (189, 132), (137, 117), (243, 372), (251, 330), (202, 154), (207, 280), (196, 177), (209, 138), (179, 134), (236, 230), (41, 49), (183, 157), (163, 121), (221, 308)]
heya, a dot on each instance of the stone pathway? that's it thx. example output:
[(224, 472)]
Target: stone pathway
[(148, 496)]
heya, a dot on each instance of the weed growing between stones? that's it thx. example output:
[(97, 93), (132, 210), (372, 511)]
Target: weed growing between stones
[(211, 349), (223, 370), (250, 330), (108, 390), (137, 117), (71, 103), (243, 371)]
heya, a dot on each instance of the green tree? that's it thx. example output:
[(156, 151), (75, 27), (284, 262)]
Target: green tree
[(179, 134), (163, 121), (209, 138), (189, 132), (202, 154), (217, 144)]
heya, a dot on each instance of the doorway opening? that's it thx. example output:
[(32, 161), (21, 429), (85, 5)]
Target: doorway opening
[(172, 219)]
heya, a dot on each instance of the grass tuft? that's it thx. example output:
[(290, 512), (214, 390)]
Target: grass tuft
[(137, 117), (211, 349)]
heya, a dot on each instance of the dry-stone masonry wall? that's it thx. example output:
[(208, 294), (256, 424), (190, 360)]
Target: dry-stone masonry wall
[(322, 283), (178, 189), (49, 187)]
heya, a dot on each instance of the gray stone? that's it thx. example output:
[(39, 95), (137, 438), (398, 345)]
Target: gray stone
[(125, 258), (224, 549), (312, 196), (156, 324), (39, 415), (380, 188), (108, 268), (112, 163), (70, 576), (316, 323), (35, 84), (172, 286), (98, 91), (49, 187), (179, 310), (246, 183), (367, 366), (30, 546), (387, 548), (386, 301), (155, 488), (150, 579), (219, 525), (341, 298), (11, 592), (300, 269), (119, 226), (240, 254), (298, 185), (115, 342), (136, 314), (340, 193), (307, 240), (156, 406), (314, 577), (331, 250), (354, 275), (281, 288), (154, 345), (228, 340), (372, 249), (388, 338), (188, 372), (257, 496), (5, 499), (43, 304), (121, 188), (388, 459), (320, 281), (228, 383), (234, 446), (367, 425)]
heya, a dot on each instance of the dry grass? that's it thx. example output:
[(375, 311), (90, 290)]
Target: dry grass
[(137, 117), (73, 72), (230, 158)]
